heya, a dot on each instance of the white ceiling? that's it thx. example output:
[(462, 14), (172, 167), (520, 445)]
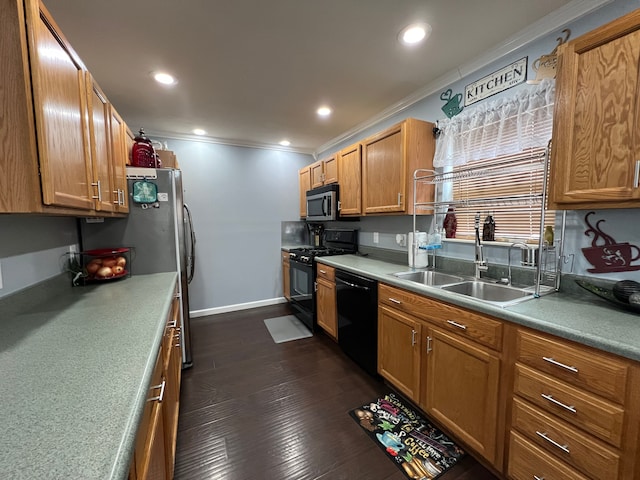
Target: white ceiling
[(253, 72)]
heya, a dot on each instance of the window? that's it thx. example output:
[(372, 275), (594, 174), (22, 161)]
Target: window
[(496, 154)]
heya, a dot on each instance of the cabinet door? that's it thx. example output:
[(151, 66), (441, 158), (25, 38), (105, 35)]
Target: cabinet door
[(60, 109), (171, 402), (461, 389), (118, 128), (399, 350), (317, 174), (596, 141), (100, 143), (330, 170), (350, 179), (384, 170), (327, 314), (305, 186)]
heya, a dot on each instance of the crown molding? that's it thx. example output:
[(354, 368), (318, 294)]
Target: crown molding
[(557, 19), (225, 141)]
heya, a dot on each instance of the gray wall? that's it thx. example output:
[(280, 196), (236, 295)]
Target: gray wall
[(32, 249), (621, 224), (238, 197)]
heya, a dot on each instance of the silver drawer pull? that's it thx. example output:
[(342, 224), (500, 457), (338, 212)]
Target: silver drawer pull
[(571, 408), (536, 477), (394, 300), (561, 365), (160, 397), (323, 271), (456, 324), (564, 448)]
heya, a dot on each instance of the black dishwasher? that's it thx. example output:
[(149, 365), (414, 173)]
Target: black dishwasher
[(357, 300)]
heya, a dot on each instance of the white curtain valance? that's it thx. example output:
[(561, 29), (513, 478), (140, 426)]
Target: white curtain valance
[(500, 127)]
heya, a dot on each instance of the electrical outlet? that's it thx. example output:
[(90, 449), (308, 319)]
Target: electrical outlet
[(376, 237)]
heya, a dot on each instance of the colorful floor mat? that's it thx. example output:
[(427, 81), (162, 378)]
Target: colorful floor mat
[(418, 448)]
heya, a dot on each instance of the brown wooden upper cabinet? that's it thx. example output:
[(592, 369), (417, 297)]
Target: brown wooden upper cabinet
[(595, 156), (57, 145), (350, 180), (119, 157), (324, 172), (305, 185), (389, 159)]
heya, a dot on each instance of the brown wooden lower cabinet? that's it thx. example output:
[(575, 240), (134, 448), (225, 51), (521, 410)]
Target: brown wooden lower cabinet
[(286, 288), (529, 404), (154, 455), (327, 312), (460, 390)]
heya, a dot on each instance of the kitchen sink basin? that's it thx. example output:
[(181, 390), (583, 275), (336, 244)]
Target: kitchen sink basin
[(428, 277), (501, 295)]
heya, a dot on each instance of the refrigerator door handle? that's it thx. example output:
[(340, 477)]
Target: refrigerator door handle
[(192, 239)]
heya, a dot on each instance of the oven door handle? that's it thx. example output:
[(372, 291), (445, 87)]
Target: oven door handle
[(352, 285)]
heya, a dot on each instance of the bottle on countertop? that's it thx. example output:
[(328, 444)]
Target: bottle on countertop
[(450, 223), (489, 228)]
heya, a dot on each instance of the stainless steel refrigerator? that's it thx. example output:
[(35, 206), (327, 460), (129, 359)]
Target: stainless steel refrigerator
[(160, 234)]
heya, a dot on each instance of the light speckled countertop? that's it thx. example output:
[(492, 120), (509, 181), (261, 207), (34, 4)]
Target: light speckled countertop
[(583, 318), (75, 371)]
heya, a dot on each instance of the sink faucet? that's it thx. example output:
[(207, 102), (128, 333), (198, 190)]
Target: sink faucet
[(480, 262), (522, 246)]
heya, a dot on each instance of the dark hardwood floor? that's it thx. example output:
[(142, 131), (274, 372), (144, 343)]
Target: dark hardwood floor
[(254, 409)]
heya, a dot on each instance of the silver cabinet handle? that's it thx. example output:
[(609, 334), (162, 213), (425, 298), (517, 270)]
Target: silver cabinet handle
[(536, 477), (413, 338), (561, 365), (636, 175), (323, 271), (399, 199), (571, 408), (117, 194), (121, 196), (160, 397), (99, 196), (429, 345), (456, 324), (395, 301), (564, 448)]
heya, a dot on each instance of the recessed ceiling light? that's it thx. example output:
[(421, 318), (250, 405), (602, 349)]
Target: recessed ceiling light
[(285, 143), (414, 33), (324, 111), (199, 131), (164, 78)]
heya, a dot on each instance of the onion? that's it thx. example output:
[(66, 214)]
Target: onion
[(121, 261), (104, 272), (109, 262)]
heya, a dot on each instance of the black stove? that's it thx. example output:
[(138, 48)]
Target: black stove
[(307, 254), (302, 268)]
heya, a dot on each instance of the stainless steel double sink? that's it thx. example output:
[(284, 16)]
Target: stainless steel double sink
[(483, 290)]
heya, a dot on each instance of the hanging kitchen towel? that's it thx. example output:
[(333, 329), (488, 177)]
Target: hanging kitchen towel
[(145, 192)]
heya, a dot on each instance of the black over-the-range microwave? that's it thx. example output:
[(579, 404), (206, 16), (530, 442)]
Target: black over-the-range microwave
[(322, 203)]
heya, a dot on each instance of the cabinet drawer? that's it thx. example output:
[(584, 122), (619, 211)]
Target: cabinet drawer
[(596, 416), (565, 442), (326, 272), (527, 462), (463, 322), (580, 366)]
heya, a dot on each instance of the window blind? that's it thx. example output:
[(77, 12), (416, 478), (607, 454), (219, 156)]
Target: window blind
[(509, 186)]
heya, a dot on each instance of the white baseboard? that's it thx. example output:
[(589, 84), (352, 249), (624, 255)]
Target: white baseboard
[(237, 307)]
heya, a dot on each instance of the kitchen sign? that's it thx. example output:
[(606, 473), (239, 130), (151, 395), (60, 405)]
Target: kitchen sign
[(497, 82)]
